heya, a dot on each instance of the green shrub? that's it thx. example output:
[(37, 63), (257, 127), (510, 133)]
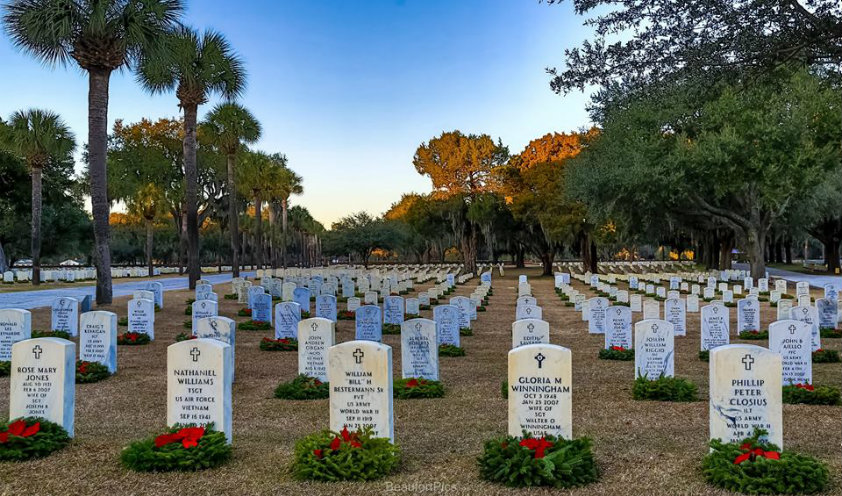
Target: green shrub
[(704, 355), (831, 333), (231, 296), (616, 353), (303, 388), (339, 456), (5, 368), (417, 388), (188, 310), (756, 467), (664, 389), (466, 331), (528, 461), (184, 336), (154, 454), (808, 395), (133, 338), (391, 329), (30, 437), (87, 372), (123, 321), (504, 390), (244, 312)]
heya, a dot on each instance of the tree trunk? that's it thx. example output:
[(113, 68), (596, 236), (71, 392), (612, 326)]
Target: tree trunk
[(150, 237), (520, 256), (36, 172), (756, 252), (258, 230), (233, 216), (97, 149), (594, 266), (191, 193), (547, 262), (788, 250), (469, 249), (831, 254), (284, 213), (273, 255)]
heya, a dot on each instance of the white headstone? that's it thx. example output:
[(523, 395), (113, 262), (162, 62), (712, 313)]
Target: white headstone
[(15, 325), (618, 330), (541, 391), (43, 381), (654, 343), (716, 325), (792, 339), (530, 331), (98, 338), (419, 349), (142, 317), (65, 315), (315, 337)]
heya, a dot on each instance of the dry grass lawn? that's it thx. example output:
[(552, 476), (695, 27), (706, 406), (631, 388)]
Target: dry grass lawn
[(646, 448)]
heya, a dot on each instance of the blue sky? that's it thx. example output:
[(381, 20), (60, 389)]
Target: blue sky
[(349, 89)]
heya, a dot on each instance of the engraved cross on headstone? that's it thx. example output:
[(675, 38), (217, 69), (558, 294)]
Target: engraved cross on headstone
[(358, 355), (531, 327), (195, 354), (314, 326), (748, 360), (37, 351), (791, 329), (540, 358)]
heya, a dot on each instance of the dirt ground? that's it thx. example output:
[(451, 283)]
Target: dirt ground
[(647, 448)]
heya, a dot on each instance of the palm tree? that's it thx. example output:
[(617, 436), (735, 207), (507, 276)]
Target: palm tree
[(39, 137), (288, 186), (195, 66), (148, 202), (258, 173), (229, 126), (100, 36)]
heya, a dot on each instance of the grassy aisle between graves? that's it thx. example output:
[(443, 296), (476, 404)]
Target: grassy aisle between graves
[(641, 447)]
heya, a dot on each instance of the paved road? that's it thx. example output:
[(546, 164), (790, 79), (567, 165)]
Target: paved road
[(815, 280), (44, 297)]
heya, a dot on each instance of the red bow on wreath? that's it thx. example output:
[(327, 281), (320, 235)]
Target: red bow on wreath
[(618, 348), (132, 336), (752, 454), (347, 437), (415, 383), (83, 368), (189, 437), (536, 445), (18, 428), (808, 387)]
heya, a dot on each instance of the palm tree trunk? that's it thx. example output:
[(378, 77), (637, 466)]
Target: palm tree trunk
[(191, 197), (150, 235), (273, 255), (284, 213), (36, 172), (258, 230), (98, 81), (233, 219)]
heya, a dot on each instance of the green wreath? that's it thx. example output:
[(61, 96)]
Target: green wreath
[(37, 333), (133, 338), (254, 325), (616, 353), (466, 331), (30, 437), (283, 344), (413, 387), (753, 466), (807, 394), (303, 387), (184, 336), (87, 372), (664, 389), (5, 368), (754, 335), (391, 329), (528, 462), (831, 333), (182, 447), (825, 356), (345, 456), (449, 350)]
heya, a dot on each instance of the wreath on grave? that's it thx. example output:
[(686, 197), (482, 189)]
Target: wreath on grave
[(504, 390), (481, 307), (754, 335), (133, 338), (424, 307), (231, 296), (305, 314), (466, 331), (283, 344), (704, 355), (87, 372), (37, 333), (758, 467), (244, 312), (303, 387), (547, 461), (807, 394), (434, 301), (338, 456), (664, 389), (825, 356), (450, 350), (189, 301), (187, 324), (616, 353), (412, 316), (188, 310), (413, 387), (5, 368), (255, 325), (184, 336), (182, 447), (391, 329), (30, 437), (346, 315), (831, 333), (123, 321), (730, 304)]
